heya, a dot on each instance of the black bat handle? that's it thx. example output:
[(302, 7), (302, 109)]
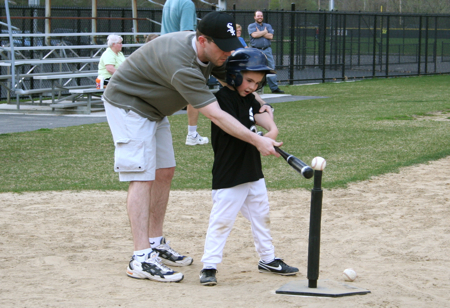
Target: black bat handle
[(281, 152), (288, 156), (296, 163)]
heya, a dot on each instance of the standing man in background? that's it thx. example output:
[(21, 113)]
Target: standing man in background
[(180, 15), (261, 35)]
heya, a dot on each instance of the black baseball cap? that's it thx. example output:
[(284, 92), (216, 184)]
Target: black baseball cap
[(221, 28)]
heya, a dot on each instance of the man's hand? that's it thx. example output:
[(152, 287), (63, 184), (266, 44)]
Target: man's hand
[(266, 145), (233, 127), (268, 35)]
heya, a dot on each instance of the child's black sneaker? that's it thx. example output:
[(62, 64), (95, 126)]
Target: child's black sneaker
[(277, 266), (208, 277)]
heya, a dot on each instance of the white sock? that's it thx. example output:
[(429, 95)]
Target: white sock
[(141, 255), (209, 266), (267, 261), (155, 241), (192, 130)]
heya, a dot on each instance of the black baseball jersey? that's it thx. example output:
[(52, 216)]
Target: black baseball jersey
[(235, 161)]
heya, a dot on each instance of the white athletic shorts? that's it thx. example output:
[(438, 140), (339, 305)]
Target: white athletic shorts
[(141, 145)]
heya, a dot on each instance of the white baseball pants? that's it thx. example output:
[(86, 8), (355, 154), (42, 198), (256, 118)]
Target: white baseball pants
[(249, 198)]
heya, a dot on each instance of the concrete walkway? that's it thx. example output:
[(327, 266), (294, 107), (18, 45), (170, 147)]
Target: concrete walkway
[(34, 117)]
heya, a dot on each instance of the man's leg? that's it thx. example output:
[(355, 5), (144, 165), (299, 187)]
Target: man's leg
[(192, 115), (138, 207), (159, 197), (272, 78), (272, 82), (146, 205), (194, 138), (141, 143)]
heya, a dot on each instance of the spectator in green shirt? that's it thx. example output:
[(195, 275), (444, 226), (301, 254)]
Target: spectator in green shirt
[(111, 58)]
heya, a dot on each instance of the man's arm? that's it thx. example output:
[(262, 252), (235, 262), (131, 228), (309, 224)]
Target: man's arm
[(269, 30), (188, 17), (268, 36), (223, 83), (233, 127), (258, 33)]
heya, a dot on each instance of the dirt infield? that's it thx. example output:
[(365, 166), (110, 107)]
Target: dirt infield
[(70, 249)]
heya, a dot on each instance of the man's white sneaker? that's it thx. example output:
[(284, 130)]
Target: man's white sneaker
[(152, 269), (196, 140), (171, 257)]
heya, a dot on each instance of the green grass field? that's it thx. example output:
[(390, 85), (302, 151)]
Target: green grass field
[(362, 129)]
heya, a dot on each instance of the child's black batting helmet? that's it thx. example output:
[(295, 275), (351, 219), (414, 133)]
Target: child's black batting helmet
[(246, 59)]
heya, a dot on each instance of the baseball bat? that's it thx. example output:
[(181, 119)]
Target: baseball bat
[(296, 163)]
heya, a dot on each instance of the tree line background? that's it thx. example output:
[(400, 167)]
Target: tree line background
[(390, 6)]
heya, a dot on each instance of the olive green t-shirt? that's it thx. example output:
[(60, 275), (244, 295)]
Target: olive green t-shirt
[(162, 77)]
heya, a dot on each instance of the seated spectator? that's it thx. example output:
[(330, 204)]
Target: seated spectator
[(111, 58), (239, 33)]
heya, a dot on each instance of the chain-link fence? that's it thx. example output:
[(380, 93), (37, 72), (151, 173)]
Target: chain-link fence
[(326, 46), (307, 46)]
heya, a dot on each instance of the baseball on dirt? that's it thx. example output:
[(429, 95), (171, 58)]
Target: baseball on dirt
[(318, 163), (349, 274)]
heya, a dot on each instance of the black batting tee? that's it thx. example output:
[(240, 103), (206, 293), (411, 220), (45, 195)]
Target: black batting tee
[(235, 161)]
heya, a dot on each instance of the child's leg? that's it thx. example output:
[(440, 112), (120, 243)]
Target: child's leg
[(256, 210), (226, 205)]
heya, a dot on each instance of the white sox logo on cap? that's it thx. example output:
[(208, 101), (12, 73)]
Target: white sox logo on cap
[(221, 28), (230, 29)]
